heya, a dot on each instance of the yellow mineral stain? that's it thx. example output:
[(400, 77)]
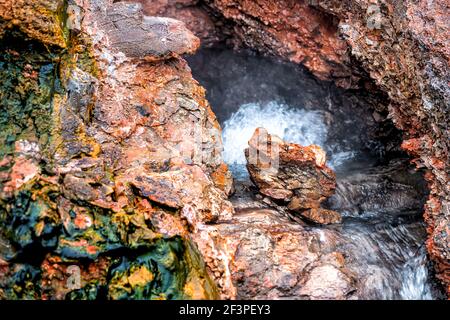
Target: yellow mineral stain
[(140, 277), (195, 290)]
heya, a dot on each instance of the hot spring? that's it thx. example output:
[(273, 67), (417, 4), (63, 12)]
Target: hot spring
[(379, 195)]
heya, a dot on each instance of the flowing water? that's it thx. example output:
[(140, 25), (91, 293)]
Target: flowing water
[(383, 233)]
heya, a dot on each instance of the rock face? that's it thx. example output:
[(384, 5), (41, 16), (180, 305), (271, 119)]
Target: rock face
[(276, 258), (291, 29), (110, 165), (404, 48), (190, 12), (291, 174)]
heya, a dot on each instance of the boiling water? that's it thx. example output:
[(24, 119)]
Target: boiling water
[(382, 234)]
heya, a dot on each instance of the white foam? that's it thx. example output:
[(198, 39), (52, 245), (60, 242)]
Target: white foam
[(292, 125)]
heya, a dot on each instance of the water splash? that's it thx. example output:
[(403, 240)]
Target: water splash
[(415, 285), (291, 124)]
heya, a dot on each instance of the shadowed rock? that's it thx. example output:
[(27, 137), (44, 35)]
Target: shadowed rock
[(141, 36)]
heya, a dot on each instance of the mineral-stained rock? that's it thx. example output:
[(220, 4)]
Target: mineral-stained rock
[(275, 258), (40, 20), (110, 164), (141, 36), (291, 174), (190, 12), (291, 29)]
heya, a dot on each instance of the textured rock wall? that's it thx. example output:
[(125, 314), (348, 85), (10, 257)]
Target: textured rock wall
[(293, 30), (110, 172), (110, 158), (404, 47), (190, 12)]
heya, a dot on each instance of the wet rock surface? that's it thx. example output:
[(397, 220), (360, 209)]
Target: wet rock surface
[(276, 258)]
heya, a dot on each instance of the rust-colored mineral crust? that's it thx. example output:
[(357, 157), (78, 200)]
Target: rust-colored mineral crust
[(117, 179), (292, 174), (293, 30)]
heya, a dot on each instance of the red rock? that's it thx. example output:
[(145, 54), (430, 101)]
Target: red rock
[(293, 174), (276, 258), (193, 15), (322, 216), (290, 29)]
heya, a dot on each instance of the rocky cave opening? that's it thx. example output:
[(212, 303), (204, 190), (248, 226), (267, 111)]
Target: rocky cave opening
[(103, 104), (379, 194)]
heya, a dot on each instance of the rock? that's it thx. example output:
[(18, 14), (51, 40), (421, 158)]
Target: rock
[(277, 258), (322, 216), (403, 47), (292, 174), (190, 12), (140, 36), (327, 282), (291, 29), (112, 159), (39, 20)]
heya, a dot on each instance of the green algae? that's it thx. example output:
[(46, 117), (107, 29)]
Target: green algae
[(91, 291), (21, 284), (161, 273), (29, 81), (103, 236), (32, 221), (169, 269)]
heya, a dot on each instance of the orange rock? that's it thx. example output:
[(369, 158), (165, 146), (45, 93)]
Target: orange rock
[(294, 174)]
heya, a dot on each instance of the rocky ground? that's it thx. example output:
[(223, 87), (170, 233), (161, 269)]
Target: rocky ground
[(111, 178)]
